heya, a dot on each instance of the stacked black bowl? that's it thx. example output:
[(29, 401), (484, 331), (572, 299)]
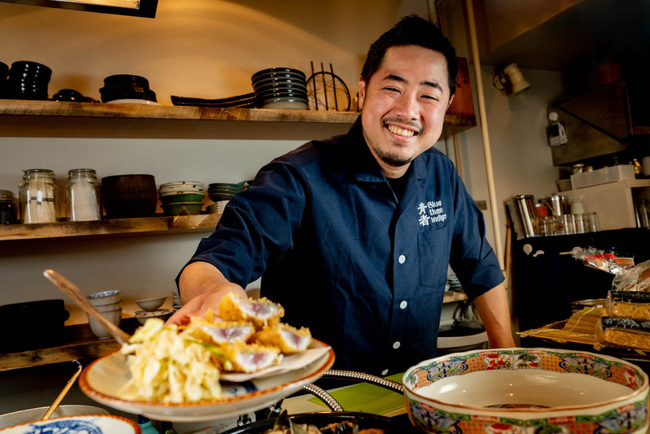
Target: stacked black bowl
[(122, 87), (27, 80), (32, 324), (4, 69), (281, 88)]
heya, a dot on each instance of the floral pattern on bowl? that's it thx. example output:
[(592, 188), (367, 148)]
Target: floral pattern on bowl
[(433, 406)]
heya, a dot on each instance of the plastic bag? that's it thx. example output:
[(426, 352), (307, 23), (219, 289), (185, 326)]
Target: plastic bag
[(604, 260), (633, 279)]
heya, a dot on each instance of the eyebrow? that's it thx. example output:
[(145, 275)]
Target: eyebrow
[(432, 84)]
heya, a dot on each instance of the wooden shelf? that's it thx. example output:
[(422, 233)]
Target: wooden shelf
[(19, 118), (142, 225), (78, 343), (453, 296)]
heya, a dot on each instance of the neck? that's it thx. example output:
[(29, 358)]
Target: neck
[(392, 171)]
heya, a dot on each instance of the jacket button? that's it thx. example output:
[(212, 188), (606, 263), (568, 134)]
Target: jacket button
[(396, 345), (401, 259)]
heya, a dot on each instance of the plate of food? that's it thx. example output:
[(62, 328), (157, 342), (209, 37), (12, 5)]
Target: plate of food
[(216, 367)]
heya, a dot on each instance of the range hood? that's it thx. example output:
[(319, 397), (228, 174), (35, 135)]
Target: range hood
[(561, 35), (605, 121)]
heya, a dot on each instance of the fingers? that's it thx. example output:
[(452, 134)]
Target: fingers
[(179, 318), (201, 304)]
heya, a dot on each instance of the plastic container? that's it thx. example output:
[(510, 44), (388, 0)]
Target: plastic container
[(602, 176)]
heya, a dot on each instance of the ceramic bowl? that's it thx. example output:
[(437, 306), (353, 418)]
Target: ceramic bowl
[(526, 390), (182, 208), (114, 316), (89, 423), (105, 297), (143, 316), (32, 324), (166, 199), (127, 196), (150, 304), (109, 307), (34, 414)]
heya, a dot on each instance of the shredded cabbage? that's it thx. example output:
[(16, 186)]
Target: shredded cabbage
[(169, 367)]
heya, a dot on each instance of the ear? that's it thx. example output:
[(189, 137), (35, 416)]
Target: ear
[(362, 92), (450, 101)]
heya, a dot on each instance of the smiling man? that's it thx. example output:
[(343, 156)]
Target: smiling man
[(354, 235)]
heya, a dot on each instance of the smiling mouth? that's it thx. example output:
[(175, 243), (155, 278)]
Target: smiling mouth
[(400, 131)]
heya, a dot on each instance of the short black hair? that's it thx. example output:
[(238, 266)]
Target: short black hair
[(412, 30)]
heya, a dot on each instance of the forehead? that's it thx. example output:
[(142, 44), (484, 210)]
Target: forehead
[(415, 63)]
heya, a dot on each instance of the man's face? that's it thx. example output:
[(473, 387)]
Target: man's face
[(403, 106)]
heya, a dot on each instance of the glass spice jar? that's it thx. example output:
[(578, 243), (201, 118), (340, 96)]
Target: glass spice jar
[(82, 195), (8, 212), (38, 194)]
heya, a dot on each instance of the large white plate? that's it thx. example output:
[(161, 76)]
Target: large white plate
[(102, 380)]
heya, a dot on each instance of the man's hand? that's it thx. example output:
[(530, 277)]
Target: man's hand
[(200, 305), (202, 286)]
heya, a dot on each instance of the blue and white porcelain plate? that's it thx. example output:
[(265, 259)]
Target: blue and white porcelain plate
[(89, 424)]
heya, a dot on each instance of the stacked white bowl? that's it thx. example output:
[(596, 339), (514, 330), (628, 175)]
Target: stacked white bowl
[(109, 304)]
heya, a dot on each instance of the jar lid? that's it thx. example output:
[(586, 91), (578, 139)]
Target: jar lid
[(6, 195), (44, 172), (78, 172)]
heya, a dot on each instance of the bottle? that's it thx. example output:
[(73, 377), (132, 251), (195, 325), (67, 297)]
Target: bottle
[(638, 169), (555, 131), (8, 213), (146, 425), (38, 194), (82, 195), (643, 214)]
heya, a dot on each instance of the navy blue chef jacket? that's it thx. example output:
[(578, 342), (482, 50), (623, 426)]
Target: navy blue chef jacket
[(366, 272)]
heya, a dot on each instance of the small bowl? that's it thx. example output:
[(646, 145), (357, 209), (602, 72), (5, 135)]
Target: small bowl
[(108, 307), (35, 414), (114, 316), (143, 316), (105, 297), (182, 208), (526, 390), (151, 304), (167, 199)]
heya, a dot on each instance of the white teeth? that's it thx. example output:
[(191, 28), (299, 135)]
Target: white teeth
[(400, 132)]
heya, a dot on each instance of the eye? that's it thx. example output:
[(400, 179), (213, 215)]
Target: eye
[(430, 97), (392, 89)]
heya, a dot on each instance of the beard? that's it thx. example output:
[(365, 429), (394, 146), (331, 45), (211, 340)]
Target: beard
[(392, 158)]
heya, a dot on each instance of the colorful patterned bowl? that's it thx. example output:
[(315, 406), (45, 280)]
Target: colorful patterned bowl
[(527, 390)]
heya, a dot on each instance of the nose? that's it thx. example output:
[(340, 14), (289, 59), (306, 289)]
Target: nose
[(407, 106)]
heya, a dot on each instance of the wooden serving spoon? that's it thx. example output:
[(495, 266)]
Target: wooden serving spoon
[(80, 298)]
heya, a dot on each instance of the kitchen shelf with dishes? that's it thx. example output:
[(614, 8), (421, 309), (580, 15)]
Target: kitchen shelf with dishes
[(110, 227), (23, 118), (77, 343)]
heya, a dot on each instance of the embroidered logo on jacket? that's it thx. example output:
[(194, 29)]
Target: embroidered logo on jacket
[(431, 212)]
